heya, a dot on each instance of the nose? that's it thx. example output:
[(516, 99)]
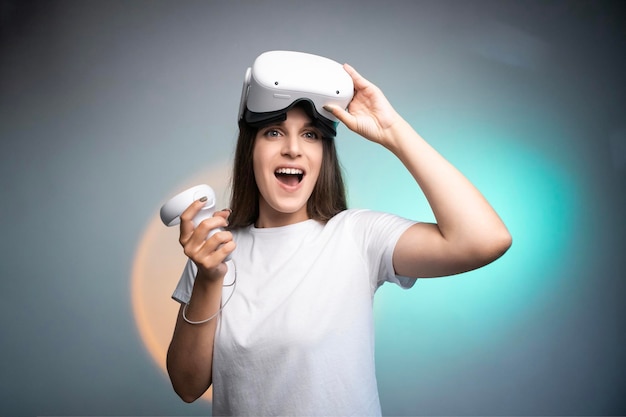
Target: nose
[(291, 146)]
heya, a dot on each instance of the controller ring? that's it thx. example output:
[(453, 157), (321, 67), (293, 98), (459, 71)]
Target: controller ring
[(171, 211)]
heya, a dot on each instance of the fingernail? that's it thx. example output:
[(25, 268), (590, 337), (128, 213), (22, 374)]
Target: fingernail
[(227, 209), (203, 199), (328, 108)]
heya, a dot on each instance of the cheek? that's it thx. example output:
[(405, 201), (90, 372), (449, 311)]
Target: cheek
[(317, 157), (259, 176), (257, 162)]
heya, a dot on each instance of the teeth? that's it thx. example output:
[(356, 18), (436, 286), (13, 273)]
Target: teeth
[(289, 171)]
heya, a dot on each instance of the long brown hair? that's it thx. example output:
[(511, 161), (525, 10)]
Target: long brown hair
[(327, 199)]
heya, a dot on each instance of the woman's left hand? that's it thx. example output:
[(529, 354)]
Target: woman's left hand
[(369, 113)]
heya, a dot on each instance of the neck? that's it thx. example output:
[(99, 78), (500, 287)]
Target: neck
[(268, 217)]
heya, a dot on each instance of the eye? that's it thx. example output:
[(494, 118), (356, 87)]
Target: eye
[(311, 135), (271, 133)]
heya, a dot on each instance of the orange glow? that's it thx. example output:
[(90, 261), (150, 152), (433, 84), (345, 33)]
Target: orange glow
[(158, 263)]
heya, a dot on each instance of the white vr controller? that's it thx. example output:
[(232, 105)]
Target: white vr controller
[(171, 211)]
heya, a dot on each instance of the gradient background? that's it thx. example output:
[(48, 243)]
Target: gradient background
[(108, 107)]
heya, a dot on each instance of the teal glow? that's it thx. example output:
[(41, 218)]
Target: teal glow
[(537, 196)]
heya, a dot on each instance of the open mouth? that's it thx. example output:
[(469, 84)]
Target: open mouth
[(289, 176)]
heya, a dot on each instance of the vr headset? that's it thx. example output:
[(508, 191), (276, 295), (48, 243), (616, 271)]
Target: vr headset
[(280, 80)]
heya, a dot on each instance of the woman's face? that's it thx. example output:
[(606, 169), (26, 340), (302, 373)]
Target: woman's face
[(287, 158)]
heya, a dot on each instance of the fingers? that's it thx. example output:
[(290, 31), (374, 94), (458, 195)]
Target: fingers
[(341, 114), (212, 251), (359, 81), (186, 220), (225, 213), (200, 238)]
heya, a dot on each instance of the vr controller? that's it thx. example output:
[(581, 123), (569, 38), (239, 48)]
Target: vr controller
[(171, 211)]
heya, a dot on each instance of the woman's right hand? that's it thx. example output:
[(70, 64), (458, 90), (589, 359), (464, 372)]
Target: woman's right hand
[(207, 254)]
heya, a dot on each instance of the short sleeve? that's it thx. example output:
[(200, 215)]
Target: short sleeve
[(380, 232), (387, 271), (182, 293)]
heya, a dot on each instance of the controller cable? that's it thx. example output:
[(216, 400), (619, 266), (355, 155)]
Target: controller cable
[(233, 284)]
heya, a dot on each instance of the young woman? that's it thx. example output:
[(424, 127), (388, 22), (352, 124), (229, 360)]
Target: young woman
[(296, 336)]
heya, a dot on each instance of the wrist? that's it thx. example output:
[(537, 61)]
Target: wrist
[(207, 281), (205, 300), (205, 303), (397, 135), (208, 276)]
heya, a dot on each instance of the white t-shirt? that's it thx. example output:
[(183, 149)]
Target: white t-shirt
[(297, 336)]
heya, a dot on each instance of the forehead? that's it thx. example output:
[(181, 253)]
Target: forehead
[(298, 115), (295, 117)]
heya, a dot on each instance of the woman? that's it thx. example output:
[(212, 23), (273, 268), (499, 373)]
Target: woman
[(296, 337)]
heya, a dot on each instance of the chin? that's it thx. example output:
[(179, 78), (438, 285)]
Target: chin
[(287, 208), (290, 209)]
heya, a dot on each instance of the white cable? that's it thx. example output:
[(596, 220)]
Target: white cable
[(234, 285)]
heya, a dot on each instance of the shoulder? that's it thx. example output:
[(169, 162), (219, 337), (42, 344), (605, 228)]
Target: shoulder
[(366, 218), (350, 215), (368, 227), (348, 218)]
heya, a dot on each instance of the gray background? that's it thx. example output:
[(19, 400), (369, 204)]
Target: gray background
[(106, 107)]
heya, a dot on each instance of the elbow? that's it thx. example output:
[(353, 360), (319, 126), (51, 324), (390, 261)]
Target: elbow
[(186, 393), (495, 246), (187, 385), (187, 397), (505, 241)]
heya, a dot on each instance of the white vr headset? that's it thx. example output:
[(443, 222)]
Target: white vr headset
[(278, 80)]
